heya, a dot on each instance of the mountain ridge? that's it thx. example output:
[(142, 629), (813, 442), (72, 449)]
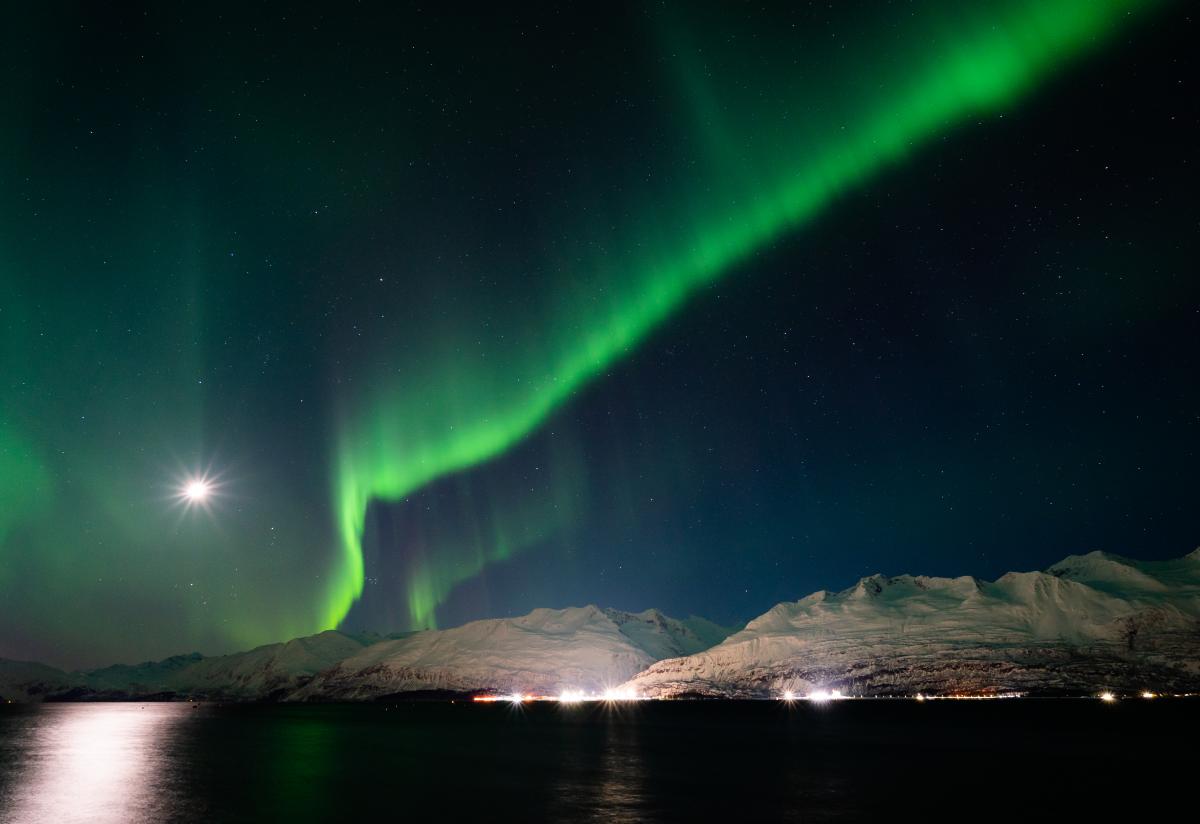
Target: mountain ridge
[(595, 647), (1088, 621)]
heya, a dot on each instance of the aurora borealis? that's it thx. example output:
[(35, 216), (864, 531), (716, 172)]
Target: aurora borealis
[(742, 205), (446, 308)]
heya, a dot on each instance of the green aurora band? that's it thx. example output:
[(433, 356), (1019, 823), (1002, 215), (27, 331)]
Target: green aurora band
[(753, 185)]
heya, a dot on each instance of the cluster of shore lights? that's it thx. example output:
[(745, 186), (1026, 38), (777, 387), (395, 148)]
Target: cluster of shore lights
[(982, 696), (1108, 697), (816, 696), (564, 697), (825, 696), (821, 696)]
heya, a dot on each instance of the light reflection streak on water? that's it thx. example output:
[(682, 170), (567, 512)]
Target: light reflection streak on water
[(623, 791), (599, 774), (95, 763)]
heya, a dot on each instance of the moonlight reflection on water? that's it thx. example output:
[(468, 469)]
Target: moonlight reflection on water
[(95, 763)]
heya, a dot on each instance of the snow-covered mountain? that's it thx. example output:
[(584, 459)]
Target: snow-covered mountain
[(583, 648), (1089, 621), (545, 652), (262, 673), (265, 672)]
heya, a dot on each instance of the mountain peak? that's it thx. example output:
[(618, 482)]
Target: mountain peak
[(1106, 571)]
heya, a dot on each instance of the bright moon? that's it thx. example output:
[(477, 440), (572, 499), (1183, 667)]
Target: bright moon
[(196, 490)]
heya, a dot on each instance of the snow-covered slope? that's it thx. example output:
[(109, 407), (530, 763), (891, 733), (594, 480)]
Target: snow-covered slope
[(664, 637), (584, 648), (545, 652), (1089, 621), (263, 672), (144, 678)]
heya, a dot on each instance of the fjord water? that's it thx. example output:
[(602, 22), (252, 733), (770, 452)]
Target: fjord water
[(649, 761)]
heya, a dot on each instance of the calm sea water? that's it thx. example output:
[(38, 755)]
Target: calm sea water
[(948, 760)]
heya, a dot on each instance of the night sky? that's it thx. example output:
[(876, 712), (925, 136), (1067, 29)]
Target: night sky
[(462, 313)]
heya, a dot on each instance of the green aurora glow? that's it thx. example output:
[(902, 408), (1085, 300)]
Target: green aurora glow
[(365, 286), (760, 177)]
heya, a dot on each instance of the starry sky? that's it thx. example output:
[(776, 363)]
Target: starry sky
[(693, 306)]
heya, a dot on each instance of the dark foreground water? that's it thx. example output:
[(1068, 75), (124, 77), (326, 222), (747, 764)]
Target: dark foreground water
[(945, 760)]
